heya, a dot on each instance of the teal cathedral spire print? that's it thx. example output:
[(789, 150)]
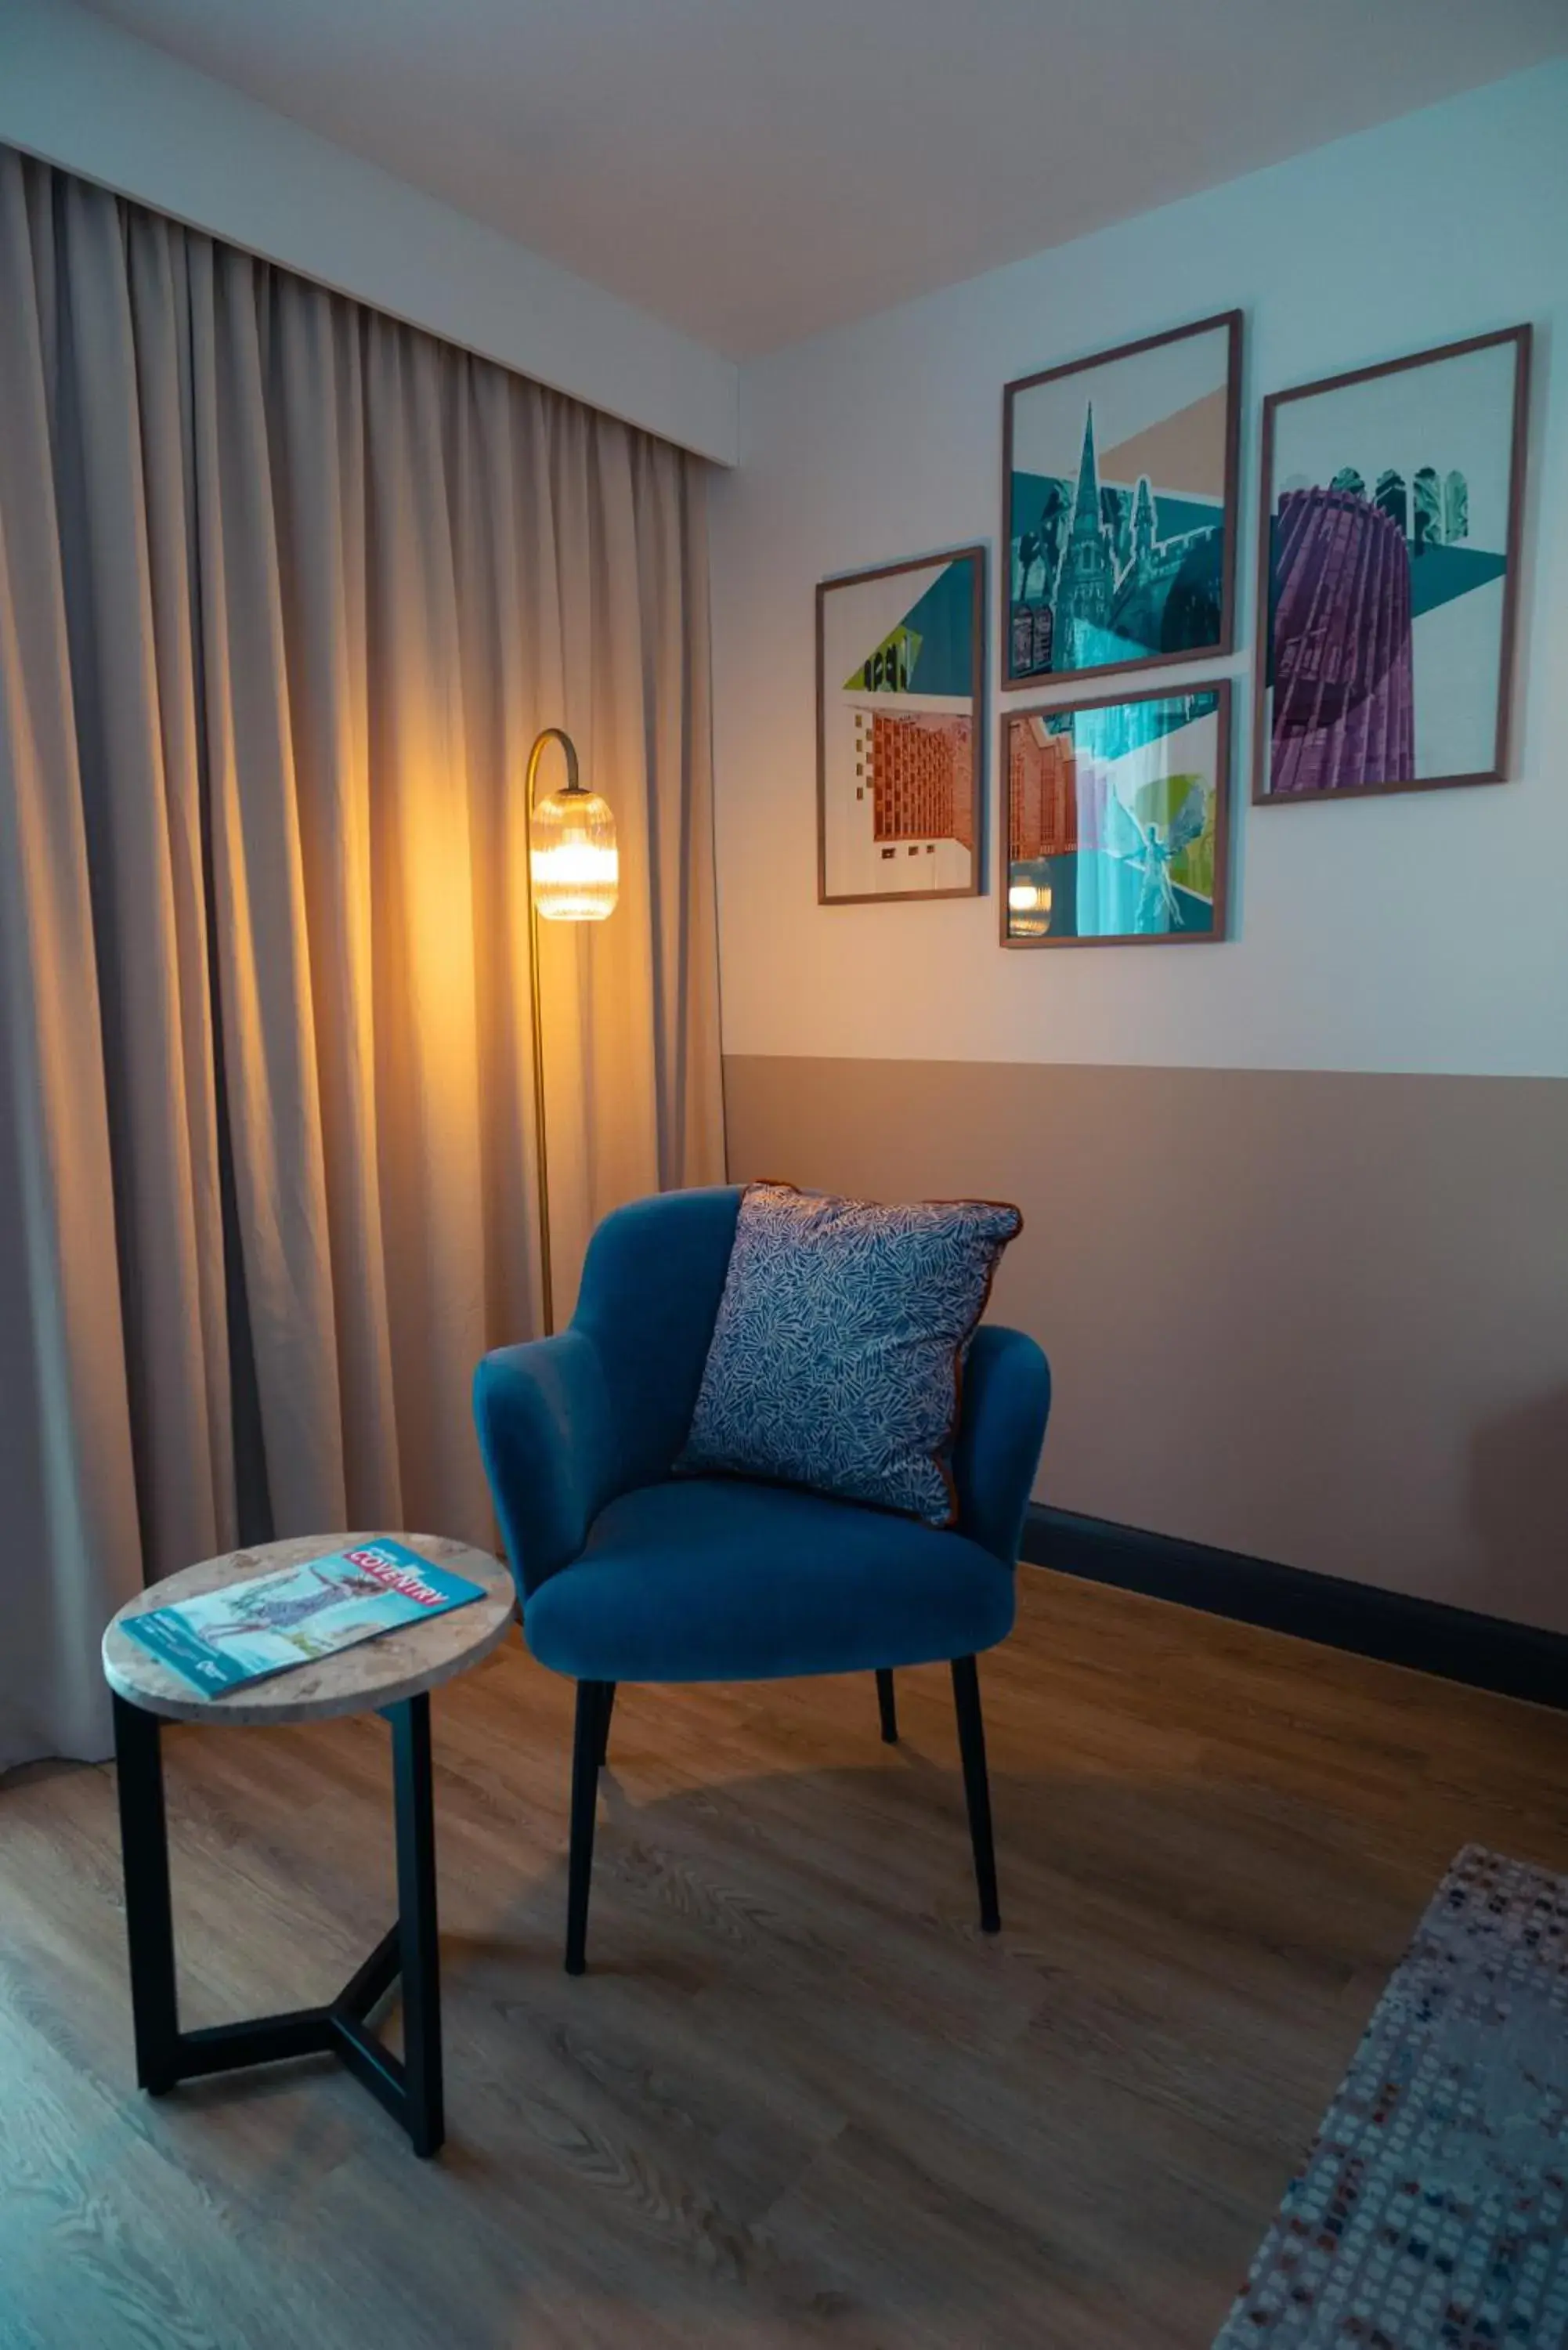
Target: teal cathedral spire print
[(1119, 495), (1120, 586), (1087, 590)]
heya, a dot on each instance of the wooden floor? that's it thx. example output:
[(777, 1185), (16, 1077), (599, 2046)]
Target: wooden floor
[(797, 2098)]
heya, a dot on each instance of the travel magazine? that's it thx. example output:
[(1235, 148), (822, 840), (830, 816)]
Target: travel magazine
[(297, 1615)]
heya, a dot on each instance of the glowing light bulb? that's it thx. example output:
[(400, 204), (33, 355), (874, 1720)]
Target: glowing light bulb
[(1028, 910), (574, 860)]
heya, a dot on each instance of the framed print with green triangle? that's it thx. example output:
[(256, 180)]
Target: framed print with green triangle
[(901, 673), (1119, 506)]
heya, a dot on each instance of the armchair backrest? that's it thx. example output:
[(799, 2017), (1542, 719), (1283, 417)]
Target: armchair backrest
[(649, 1299)]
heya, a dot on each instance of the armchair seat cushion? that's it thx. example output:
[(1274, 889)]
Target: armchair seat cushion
[(717, 1579)]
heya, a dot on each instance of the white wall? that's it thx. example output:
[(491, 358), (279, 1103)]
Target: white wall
[(1425, 934), (81, 93)]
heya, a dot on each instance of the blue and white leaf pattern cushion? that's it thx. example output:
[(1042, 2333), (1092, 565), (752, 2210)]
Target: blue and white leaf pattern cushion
[(837, 1356)]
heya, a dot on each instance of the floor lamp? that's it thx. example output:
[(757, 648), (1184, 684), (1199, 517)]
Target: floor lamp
[(573, 876)]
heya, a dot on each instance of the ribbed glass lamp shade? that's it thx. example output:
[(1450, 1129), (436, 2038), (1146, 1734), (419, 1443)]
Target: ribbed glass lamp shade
[(1029, 910), (575, 862)]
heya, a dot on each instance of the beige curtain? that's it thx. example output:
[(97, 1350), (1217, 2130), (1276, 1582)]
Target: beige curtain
[(286, 591)]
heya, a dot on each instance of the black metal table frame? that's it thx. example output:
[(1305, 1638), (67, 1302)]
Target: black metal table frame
[(410, 2086)]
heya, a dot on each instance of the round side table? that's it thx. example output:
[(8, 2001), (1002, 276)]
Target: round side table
[(392, 1674)]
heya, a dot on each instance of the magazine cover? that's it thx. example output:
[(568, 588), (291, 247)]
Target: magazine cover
[(296, 1614)]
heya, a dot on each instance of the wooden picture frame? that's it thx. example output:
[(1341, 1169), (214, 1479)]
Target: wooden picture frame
[(1157, 860), (1383, 720), (904, 733), (1164, 581)]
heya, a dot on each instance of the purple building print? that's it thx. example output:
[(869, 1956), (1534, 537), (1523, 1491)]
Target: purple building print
[(1343, 709)]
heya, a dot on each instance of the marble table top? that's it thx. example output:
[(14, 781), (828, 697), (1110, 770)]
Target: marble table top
[(375, 1673)]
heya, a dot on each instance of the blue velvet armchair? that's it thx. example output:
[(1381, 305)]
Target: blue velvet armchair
[(628, 1574)]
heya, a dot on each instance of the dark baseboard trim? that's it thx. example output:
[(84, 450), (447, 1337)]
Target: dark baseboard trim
[(1484, 1651)]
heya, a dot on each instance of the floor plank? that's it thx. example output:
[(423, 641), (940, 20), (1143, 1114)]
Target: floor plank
[(798, 2098)]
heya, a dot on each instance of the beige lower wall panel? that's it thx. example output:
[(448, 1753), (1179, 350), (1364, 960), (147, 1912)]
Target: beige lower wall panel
[(1314, 1317)]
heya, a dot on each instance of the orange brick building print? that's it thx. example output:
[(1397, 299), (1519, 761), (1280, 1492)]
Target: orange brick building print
[(1042, 797), (921, 772)]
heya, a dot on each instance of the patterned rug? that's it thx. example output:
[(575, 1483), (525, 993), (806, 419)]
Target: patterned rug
[(1433, 2211)]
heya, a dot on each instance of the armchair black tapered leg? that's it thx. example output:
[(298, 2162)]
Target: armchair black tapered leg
[(976, 1788), (588, 1746), (886, 1706), (607, 1702)]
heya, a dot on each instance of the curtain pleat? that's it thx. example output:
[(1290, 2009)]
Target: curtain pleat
[(318, 452), (73, 1553), (286, 590)]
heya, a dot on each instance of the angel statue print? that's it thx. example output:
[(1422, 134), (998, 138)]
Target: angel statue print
[(1116, 821), (1153, 849)]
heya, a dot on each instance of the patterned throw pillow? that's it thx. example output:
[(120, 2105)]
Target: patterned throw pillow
[(837, 1356)]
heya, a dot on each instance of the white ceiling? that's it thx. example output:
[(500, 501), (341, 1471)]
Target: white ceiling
[(756, 171)]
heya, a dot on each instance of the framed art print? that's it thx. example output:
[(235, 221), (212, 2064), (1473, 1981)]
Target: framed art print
[(1388, 572), (1119, 506), (900, 665), (1115, 821)]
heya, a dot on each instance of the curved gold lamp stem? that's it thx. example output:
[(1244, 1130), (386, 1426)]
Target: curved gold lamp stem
[(569, 748), (541, 1149)]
